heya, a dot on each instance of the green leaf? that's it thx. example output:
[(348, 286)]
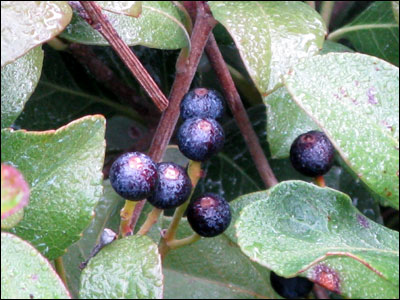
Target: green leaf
[(231, 173), (358, 109), (64, 171), (129, 268), (375, 31), (297, 228), (395, 7), (64, 93), (128, 8), (213, 269), (14, 191), (285, 122), (26, 25), (285, 119), (107, 215), (261, 29), (12, 220), (27, 274), (18, 81), (330, 46), (160, 25)]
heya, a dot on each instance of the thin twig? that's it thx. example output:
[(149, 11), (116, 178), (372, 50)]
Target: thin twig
[(100, 23), (236, 106), (185, 71)]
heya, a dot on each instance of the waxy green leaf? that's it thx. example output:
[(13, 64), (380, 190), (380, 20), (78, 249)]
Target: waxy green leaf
[(270, 36), (129, 268), (18, 81), (27, 24), (297, 228), (354, 99), (159, 25), (375, 31), (26, 274), (64, 171)]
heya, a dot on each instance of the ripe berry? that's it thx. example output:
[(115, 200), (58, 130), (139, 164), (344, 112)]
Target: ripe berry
[(209, 215), (202, 103), (173, 186), (200, 138), (291, 288), (312, 154), (133, 176)]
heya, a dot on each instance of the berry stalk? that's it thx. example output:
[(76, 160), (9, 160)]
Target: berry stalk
[(195, 173), (126, 213)]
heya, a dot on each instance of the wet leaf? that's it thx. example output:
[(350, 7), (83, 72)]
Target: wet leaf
[(27, 24), (297, 228), (159, 25), (26, 274), (358, 109), (14, 191), (129, 8), (129, 268), (64, 171), (285, 122), (106, 216), (375, 31), (18, 81), (395, 7), (65, 93), (231, 173), (261, 29), (213, 268)]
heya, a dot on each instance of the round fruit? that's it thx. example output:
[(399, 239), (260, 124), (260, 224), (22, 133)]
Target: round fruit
[(291, 288), (209, 215), (202, 103), (173, 187), (200, 138), (133, 176), (312, 154)]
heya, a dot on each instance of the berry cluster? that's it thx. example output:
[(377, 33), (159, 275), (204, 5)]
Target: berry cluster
[(201, 136), (135, 176)]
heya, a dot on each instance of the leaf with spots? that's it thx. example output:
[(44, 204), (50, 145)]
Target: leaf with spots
[(64, 171), (128, 268), (297, 228), (27, 24), (159, 25), (354, 99), (26, 274), (270, 36), (375, 31)]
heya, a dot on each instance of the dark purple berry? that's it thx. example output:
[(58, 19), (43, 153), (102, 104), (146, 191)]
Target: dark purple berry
[(291, 288), (173, 187), (312, 154), (202, 103), (200, 138), (209, 215), (133, 176)]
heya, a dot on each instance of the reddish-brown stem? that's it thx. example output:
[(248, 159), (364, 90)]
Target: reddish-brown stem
[(100, 23), (320, 181), (236, 106), (185, 71)]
